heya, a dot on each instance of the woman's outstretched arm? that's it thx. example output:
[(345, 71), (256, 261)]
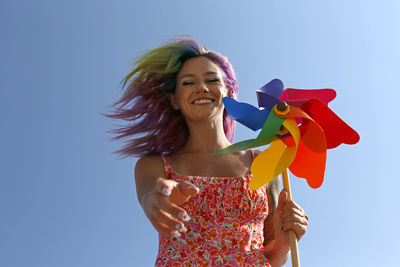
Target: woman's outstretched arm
[(160, 197)]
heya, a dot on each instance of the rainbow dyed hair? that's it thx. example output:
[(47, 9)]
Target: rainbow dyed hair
[(154, 126)]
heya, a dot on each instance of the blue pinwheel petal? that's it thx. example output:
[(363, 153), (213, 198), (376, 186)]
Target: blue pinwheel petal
[(246, 114), (255, 120), (268, 95), (273, 88), (266, 101)]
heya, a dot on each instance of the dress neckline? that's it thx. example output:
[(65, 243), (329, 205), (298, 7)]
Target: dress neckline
[(171, 169)]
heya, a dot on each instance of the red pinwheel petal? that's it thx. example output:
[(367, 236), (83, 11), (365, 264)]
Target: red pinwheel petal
[(310, 159), (324, 95), (313, 136), (335, 129), (309, 164), (288, 141)]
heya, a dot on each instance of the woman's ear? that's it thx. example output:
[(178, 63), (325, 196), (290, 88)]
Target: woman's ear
[(173, 102)]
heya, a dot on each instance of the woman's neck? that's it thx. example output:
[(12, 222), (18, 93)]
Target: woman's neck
[(206, 136)]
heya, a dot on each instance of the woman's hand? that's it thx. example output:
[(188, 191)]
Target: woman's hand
[(161, 205), (288, 216)]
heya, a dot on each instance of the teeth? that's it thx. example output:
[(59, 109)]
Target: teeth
[(202, 101)]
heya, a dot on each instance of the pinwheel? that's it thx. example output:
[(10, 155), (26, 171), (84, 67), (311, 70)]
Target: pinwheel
[(299, 127)]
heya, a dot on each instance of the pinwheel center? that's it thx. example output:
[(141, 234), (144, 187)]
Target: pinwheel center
[(281, 108)]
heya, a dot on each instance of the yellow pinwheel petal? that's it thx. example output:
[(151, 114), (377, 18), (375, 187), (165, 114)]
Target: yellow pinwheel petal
[(270, 163), (276, 158), (291, 126)]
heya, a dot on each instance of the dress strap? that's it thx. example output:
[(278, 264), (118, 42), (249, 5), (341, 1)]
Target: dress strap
[(252, 154), (166, 170), (163, 159)]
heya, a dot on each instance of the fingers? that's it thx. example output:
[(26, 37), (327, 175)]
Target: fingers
[(162, 203), (164, 222), (290, 207), (188, 189), (164, 187), (299, 229), (283, 198), (182, 192), (294, 219), (165, 214), (292, 215), (178, 193)]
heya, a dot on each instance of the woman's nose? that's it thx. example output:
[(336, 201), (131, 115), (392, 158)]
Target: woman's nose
[(202, 88)]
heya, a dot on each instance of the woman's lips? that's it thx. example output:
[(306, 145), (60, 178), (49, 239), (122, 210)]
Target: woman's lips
[(202, 101)]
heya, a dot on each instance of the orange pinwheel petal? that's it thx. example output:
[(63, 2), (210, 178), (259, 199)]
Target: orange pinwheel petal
[(309, 165), (311, 134)]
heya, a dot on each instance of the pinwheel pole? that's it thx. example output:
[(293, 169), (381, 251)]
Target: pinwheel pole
[(294, 249)]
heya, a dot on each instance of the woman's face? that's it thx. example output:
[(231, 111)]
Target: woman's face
[(200, 89)]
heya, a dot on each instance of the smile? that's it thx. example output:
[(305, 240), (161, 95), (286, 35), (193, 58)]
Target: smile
[(202, 101)]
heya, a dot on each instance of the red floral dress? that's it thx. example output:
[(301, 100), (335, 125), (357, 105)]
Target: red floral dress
[(226, 225)]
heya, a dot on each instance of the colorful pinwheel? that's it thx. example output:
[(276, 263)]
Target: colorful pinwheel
[(298, 125)]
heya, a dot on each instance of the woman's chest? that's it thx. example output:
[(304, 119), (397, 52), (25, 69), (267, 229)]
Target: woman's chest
[(226, 200), (209, 166)]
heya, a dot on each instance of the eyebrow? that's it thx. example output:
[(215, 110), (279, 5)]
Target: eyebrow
[(192, 75)]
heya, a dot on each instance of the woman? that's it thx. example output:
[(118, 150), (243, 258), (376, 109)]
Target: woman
[(198, 202)]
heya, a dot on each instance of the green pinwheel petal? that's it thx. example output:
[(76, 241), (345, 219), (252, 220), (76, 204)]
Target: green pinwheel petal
[(267, 134), (236, 147), (269, 130)]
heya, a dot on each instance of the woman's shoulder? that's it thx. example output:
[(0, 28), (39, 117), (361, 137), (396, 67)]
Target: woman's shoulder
[(151, 165), (149, 159)]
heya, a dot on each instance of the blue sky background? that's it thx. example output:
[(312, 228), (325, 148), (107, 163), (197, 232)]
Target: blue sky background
[(66, 201)]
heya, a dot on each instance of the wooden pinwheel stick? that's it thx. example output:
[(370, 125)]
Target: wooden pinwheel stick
[(283, 106), (292, 235)]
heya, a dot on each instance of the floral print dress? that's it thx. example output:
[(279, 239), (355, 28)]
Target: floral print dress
[(226, 225)]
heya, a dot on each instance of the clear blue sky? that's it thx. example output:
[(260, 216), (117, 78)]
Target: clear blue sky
[(66, 201)]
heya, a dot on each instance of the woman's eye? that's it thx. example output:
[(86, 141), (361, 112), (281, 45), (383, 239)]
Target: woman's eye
[(187, 83), (213, 80)]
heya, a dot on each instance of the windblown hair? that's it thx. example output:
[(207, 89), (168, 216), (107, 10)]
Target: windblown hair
[(154, 126)]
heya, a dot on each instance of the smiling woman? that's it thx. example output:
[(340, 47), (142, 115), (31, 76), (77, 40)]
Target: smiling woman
[(200, 89), (145, 100), (200, 203)]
